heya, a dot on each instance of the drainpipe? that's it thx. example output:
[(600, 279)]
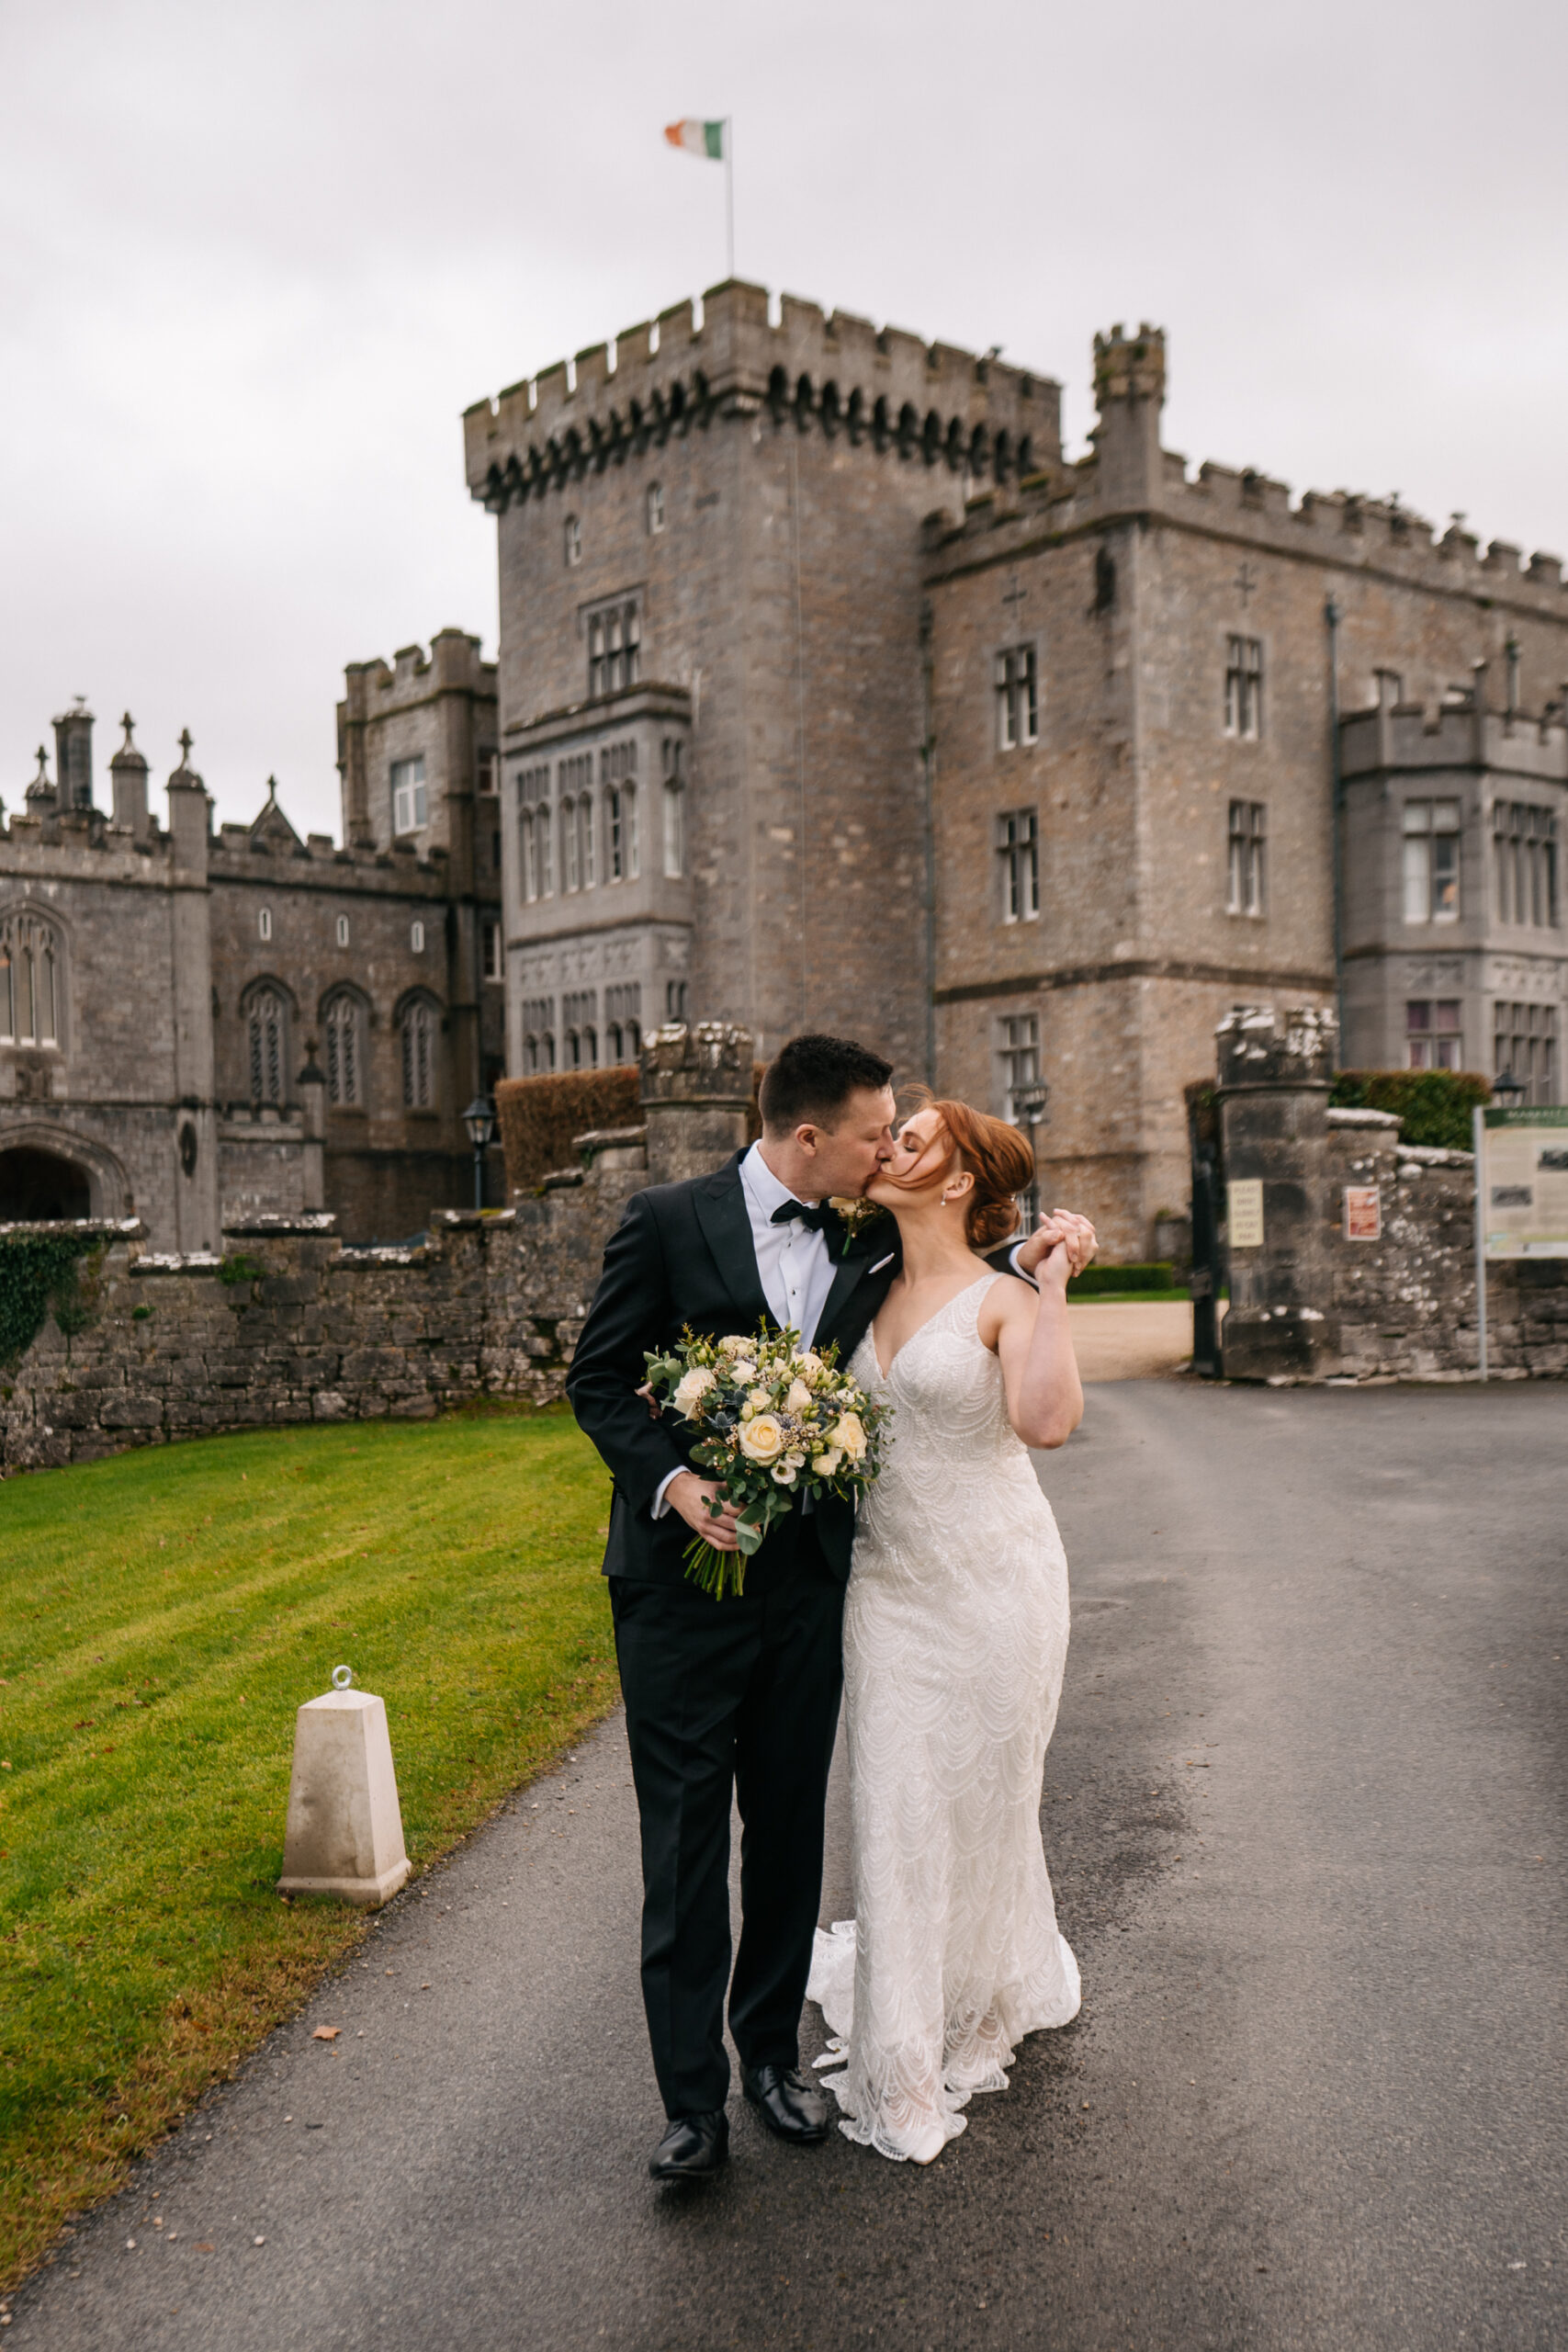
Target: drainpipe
[(1331, 616), (928, 822)]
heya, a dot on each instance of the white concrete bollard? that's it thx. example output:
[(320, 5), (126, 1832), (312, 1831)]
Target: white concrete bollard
[(346, 1830)]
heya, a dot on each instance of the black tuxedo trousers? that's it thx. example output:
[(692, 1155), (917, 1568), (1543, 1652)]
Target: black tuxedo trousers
[(739, 1695)]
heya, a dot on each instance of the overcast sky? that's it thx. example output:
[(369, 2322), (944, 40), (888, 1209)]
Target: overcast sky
[(254, 262)]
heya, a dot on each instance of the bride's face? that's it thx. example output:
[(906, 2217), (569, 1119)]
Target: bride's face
[(921, 1160)]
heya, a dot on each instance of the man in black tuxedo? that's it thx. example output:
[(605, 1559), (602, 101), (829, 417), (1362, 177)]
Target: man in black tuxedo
[(740, 1694)]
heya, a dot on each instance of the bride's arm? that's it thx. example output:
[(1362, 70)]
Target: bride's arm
[(1032, 1340)]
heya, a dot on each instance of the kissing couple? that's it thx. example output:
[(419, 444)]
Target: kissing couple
[(940, 1614)]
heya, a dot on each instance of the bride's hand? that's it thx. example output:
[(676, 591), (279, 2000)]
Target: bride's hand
[(1063, 1241)]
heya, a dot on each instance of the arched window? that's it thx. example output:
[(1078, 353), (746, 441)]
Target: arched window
[(346, 1056), (270, 1046), (655, 507), (535, 820), (585, 844), (419, 1057), (568, 843), (573, 538), (674, 809), (30, 962)]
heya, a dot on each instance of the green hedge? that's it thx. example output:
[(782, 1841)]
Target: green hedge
[(1433, 1106), (1156, 1275)]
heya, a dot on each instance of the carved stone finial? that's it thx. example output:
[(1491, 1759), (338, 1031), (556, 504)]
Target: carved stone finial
[(186, 739), (128, 723)]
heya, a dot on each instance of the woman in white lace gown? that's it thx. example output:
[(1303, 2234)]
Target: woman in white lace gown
[(955, 1637)]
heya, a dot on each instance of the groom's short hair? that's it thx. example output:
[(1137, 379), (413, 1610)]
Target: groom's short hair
[(811, 1078)]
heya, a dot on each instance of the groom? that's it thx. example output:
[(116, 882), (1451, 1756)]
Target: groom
[(738, 1694)]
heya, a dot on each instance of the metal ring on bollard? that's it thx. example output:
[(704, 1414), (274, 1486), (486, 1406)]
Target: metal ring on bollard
[(342, 1676)]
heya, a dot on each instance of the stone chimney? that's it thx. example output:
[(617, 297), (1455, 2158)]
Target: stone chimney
[(128, 773), (696, 1097), (74, 755), (1129, 393)]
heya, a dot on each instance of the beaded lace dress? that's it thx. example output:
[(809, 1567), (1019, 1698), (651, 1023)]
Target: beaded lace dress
[(956, 1638)]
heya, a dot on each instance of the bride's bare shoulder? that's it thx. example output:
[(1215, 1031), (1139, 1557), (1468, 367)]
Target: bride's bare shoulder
[(1009, 1299)]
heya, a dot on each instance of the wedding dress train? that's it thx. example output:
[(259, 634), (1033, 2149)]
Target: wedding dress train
[(955, 1637)]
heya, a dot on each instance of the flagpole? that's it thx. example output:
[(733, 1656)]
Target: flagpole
[(729, 194)]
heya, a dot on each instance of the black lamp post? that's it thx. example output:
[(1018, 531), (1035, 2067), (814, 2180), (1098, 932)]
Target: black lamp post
[(479, 1119), (1029, 1111), (1509, 1089)]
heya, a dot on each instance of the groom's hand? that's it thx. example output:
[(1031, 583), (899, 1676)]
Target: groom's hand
[(1068, 1239), (691, 1495)]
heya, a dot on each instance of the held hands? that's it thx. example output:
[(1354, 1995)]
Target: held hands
[(1061, 1245)]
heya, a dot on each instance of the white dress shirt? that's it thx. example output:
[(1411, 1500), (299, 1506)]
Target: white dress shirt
[(794, 1263)]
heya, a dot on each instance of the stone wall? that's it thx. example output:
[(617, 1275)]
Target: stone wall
[(1312, 1303)]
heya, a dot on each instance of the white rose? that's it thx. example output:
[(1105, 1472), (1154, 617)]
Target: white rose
[(808, 1365), (763, 1439), (849, 1434), (743, 1371), (800, 1397), (693, 1385), (825, 1465), (758, 1399), (733, 1345)]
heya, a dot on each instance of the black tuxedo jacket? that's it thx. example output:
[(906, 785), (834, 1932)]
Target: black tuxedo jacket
[(683, 1255)]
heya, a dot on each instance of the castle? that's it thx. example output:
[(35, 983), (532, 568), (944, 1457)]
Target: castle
[(200, 1026), (830, 694)]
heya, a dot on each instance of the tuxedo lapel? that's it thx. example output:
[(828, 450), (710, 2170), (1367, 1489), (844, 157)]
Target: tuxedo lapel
[(726, 1225)]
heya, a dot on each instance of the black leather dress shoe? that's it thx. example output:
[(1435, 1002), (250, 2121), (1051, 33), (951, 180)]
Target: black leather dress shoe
[(694, 2147), (787, 2103)]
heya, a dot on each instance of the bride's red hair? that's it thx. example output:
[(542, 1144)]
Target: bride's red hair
[(995, 1154)]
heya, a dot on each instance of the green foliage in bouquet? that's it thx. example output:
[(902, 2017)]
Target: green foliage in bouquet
[(775, 1421)]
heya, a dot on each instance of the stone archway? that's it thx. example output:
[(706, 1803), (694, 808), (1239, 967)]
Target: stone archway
[(38, 1186)]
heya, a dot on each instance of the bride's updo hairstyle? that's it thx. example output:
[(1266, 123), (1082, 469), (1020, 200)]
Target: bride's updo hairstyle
[(995, 1154)]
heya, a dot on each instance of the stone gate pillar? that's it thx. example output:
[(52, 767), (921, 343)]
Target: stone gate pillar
[(696, 1097), (1274, 1072)]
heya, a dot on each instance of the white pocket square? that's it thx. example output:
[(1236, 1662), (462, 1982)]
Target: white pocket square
[(883, 1261)]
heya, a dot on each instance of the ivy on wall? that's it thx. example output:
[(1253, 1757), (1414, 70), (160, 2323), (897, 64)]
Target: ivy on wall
[(1433, 1106), (40, 1273)]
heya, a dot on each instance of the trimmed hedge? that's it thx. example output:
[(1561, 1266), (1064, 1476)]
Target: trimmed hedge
[(540, 1116), (1433, 1106), (1158, 1274)]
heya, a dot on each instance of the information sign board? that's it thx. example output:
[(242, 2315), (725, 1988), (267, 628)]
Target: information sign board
[(1363, 1212), (1521, 1177), (1244, 1213)]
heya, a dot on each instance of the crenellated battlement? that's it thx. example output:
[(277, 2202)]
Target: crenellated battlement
[(826, 371)]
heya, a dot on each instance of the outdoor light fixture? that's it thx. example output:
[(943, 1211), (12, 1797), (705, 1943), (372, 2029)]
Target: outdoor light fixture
[(479, 1119), (1509, 1089)]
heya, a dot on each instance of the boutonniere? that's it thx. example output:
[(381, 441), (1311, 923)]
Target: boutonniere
[(854, 1215)]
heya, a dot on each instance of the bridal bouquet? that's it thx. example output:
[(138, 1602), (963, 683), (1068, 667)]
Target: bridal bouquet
[(775, 1421)]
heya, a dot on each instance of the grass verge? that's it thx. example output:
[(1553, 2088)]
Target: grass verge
[(162, 1615)]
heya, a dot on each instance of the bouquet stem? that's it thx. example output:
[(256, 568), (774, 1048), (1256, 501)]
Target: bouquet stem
[(720, 1573)]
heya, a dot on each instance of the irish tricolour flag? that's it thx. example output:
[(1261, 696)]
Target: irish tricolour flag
[(697, 137)]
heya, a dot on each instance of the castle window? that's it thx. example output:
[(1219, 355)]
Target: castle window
[(573, 542), (490, 935), (342, 931), (264, 923), (1431, 861), (1017, 1051), (655, 508), (269, 1042), (580, 1015), (1245, 874), (1525, 846), (488, 773), (416, 938), (345, 1060), (31, 959), (674, 1000), (535, 821), (538, 1036), (1432, 1033), (1018, 848), (1244, 688), (409, 804), (674, 810), (1018, 697), (1524, 1040), (419, 1057), (617, 772), (622, 1021), (614, 647)]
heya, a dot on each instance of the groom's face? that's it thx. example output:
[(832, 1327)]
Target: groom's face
[(846, 1156)]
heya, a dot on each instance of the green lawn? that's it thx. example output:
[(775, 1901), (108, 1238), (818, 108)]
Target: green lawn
[(162, 1616)]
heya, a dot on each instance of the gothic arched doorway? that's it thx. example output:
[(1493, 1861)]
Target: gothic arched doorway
[(40, 1186)]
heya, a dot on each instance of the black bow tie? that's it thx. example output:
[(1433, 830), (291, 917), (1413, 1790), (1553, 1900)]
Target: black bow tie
[(818, 1215)]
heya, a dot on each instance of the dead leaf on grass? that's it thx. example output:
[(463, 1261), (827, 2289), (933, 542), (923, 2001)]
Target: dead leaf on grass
[(326, 2033)]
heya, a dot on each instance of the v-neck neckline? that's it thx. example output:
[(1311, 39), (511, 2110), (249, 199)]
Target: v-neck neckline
[(871, 1328)]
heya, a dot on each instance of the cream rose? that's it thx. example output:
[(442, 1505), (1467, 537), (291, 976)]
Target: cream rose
[(763, 1439), (800, 1397), (742, 1372), (848, 1433), (809, 1365), (825, 1465), (732, 1344), (693, 1385)]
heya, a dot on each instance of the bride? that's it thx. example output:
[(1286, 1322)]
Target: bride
[(955, 1636)]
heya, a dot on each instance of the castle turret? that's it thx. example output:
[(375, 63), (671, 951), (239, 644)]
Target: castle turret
[(74, 755), (128, 773), (1129, 391), (40, 791), (196, 1201)]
